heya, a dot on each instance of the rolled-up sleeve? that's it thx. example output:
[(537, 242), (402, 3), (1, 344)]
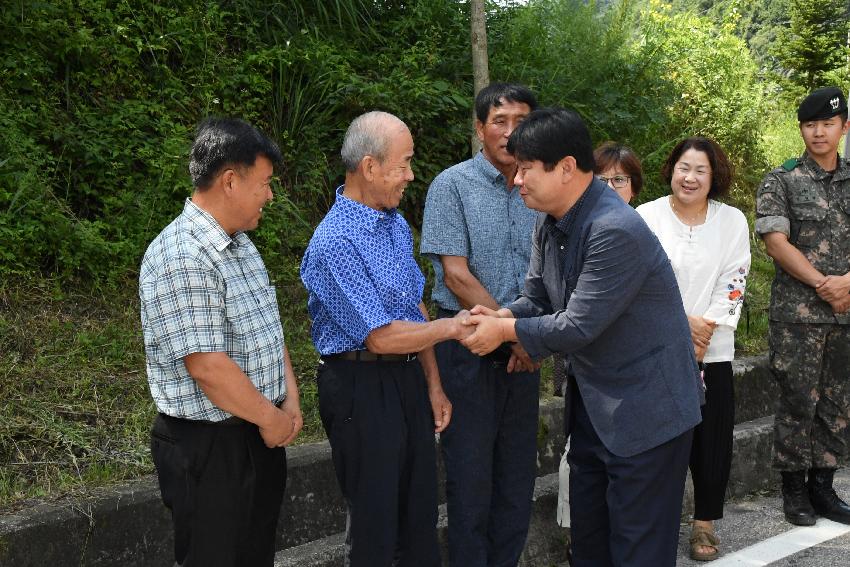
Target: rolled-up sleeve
[(772, 207)]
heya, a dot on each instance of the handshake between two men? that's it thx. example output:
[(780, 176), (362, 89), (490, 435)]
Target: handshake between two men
[(486, 329)]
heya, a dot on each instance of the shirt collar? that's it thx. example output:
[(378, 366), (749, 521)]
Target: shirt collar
[(357, 211), (841, 170), (208, 226), (579, 210), (487, 169)]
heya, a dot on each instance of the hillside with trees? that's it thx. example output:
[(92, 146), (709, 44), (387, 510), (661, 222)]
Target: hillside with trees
[(99, 99)]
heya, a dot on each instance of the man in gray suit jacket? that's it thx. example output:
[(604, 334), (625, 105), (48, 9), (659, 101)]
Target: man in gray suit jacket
[(601, 289)]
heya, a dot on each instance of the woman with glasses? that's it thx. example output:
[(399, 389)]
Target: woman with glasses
[(619, 167), (708, 245)]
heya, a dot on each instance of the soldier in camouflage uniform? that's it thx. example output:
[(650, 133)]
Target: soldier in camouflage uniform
[(803, 215)]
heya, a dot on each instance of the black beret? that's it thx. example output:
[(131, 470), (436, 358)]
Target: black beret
[(821, 104)]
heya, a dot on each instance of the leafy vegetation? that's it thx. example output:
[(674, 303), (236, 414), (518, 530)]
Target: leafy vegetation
[(98, 100), (814, 42)]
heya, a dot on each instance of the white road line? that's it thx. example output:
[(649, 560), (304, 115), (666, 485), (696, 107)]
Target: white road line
[(783, 545)]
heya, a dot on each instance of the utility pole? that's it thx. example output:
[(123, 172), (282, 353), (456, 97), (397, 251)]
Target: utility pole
[(480, 64), (846, 137)]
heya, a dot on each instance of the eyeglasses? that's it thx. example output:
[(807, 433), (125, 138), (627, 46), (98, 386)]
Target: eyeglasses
[(618, 181)]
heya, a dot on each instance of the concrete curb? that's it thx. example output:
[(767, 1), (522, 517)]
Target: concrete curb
[(546, 545), (547, 542), (756, 392), (127, 524)]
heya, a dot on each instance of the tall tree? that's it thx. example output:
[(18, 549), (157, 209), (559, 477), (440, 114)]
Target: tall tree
[(814, 41), (480, 66)]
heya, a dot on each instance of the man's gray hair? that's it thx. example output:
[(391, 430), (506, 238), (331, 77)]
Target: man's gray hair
[(368, 136)]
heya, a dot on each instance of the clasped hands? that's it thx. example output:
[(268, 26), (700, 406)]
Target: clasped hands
[(482, 330), (835, 290), (702, 330), (283, 425)]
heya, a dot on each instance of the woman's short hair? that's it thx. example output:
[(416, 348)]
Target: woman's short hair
[(612, 154), (721, 169)]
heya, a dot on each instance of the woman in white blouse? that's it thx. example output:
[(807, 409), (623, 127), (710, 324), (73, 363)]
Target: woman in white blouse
[(708, 245)]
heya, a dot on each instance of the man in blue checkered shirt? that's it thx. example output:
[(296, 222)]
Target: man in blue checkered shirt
[(477, 233), (380, 395), (216, 362)]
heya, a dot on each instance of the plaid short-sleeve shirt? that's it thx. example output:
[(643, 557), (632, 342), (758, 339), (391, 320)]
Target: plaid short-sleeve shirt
[(204, 291)]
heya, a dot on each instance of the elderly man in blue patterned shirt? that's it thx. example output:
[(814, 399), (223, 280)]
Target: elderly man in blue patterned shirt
[(477, 232), (380, 395), (217, 365)]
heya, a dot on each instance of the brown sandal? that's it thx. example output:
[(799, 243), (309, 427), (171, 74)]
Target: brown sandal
[(701, 536)]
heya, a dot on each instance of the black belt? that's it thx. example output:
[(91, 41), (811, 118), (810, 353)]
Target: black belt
[(232, 420), (368, 356)]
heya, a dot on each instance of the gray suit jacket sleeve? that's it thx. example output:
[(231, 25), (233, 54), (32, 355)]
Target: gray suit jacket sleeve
[(612, 275)]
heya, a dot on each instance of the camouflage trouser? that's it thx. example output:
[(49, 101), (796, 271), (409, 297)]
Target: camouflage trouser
[(811, 364)]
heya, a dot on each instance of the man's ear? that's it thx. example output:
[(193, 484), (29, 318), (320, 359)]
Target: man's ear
[(479, 130), (567, 166), (227, 180), (367, 167)]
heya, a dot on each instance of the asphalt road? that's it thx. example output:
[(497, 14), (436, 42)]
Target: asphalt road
[(754, 532)]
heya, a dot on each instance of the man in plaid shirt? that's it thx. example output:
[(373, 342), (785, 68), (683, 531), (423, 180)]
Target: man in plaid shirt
[(217, 365)]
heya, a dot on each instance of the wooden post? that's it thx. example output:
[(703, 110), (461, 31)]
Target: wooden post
[(846, 137), (480, 65)]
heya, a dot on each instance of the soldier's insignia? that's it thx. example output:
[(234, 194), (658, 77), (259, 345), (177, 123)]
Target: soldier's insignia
[(790, 164), (833, 102)]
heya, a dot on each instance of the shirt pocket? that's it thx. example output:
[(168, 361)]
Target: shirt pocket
[(255, 328), (807, 211)]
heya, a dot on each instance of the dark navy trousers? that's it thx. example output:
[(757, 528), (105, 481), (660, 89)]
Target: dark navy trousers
[(624, 511), (381, 430), (224, 488), (490, 452)]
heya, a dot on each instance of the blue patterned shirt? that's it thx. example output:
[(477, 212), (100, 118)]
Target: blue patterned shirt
[(360, 273), (203, 291), (469, 212)]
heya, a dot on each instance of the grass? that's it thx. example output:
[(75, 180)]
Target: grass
[(751, 335), (76, 409)]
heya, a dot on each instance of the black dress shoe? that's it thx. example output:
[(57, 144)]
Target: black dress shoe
[(795, 499), (823, 497)]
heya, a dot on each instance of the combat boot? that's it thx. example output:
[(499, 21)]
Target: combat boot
[(823, 497), (795, 499)]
